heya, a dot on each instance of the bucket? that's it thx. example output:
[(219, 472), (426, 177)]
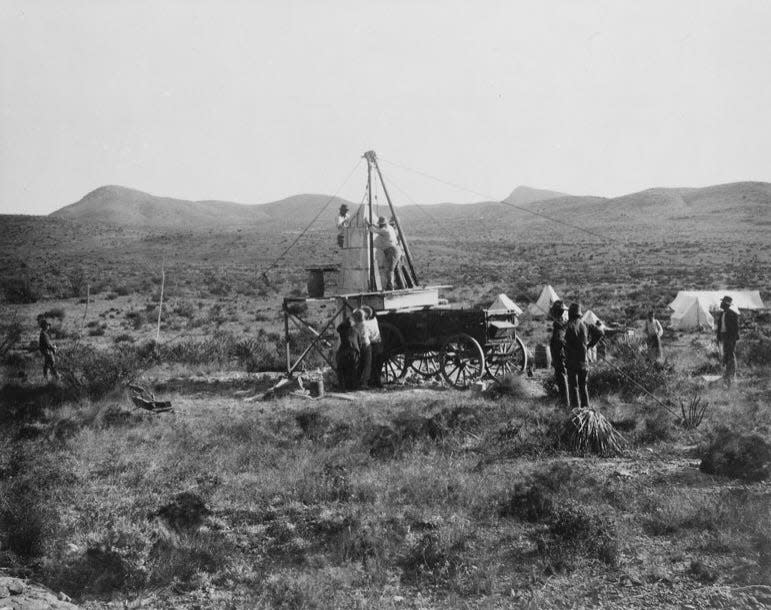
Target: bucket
[(542, 356), (316, 387)]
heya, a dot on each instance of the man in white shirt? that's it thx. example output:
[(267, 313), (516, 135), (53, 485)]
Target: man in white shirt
[(387, 242)]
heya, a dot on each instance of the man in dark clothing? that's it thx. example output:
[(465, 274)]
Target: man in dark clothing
[(579, 337), (347, 358), (48, 350), (557, 349), (728, 334)]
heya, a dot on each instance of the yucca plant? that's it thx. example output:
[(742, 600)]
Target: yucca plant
[(587, 431)]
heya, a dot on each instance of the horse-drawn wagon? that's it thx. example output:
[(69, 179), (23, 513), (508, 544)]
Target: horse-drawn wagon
[(421, 333)]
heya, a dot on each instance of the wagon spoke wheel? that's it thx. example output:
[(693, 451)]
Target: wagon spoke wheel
[(502, 358), (394, 353), (462, 361), (426, 363)]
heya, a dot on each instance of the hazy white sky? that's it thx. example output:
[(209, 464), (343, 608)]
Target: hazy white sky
[(256, 101)]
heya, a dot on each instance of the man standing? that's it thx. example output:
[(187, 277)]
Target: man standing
[(347, 357), (358, 319), (557, 349), (48, 350), (653, 333), (376, 343), (579, 337), (728, 334), (343, 222), (387, 242)]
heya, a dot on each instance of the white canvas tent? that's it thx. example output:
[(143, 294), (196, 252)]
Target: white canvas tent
[(742, 299), (540, 309), (692, 316), (590, 318), (502, 305)]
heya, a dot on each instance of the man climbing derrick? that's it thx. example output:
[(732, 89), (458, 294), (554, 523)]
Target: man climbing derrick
[(387, 242)]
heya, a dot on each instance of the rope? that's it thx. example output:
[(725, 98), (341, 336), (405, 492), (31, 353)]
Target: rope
[(502, 202), (264, 273)]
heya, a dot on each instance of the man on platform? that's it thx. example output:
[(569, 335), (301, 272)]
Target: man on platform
[(343, 222), (387, 242)]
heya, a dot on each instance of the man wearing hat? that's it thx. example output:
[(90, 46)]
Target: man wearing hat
[(48, 350), (727, 335), (343, 222), (387, 242), (579, 337), (557, 349)]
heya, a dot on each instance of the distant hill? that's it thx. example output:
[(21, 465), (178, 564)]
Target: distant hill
[(118, 205), (522, 195), (723, 207)]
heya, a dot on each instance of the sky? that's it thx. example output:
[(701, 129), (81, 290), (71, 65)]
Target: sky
[(256, 101)]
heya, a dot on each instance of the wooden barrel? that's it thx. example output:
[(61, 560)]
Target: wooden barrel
[(315, 283), (542, 356)]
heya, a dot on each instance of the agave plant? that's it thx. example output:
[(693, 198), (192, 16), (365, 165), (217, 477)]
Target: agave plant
[(587, 431)]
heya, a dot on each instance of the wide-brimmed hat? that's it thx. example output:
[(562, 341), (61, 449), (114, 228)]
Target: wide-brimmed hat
[(727, 300), (382, 221), (359, 313), (574, 311), (343, 208)]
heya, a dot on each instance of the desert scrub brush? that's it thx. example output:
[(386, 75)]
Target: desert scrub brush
[(587, 431)]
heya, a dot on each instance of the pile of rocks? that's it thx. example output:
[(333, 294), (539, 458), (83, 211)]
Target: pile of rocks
[(17, 594)]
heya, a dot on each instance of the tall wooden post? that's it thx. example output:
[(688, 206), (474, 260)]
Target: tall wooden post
[(160, 301), (370, 238), (286, 341)]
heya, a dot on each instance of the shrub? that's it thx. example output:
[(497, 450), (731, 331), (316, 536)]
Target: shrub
[(435, 557), (88, 372), (656, 428), (57, 313), (28, 517), (19, 291), (529, 502), (576, 530), (136, 319), (185, 309), (96, 332), (755, 349), (124, 338), (730, 454), (511, 385), (10, 337)]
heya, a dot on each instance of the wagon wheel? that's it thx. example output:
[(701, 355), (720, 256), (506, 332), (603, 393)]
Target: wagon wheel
[(394, 356), (502, 358), (462, 360), (426, 363)]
